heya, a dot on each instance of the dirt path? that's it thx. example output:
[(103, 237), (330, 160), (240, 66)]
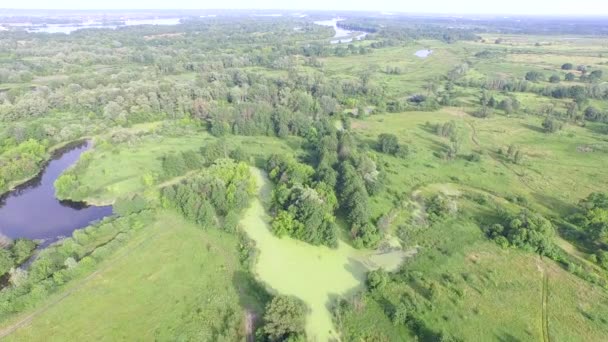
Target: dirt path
[(545, 298), (5, 331), (250, 319), (474, 134)]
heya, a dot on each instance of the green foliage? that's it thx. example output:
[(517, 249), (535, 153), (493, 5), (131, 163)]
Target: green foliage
[(527, 230), (555, 79), (377, 280), (593, 218), (125, 206), (534, 76), (21, 161), (285, 169), (174, 165), (440, 206), (21, 250), (223, 188), (389, 144), (53, 267), (6, 261), (551, 125), (447, 130), (567, 66), (284, 319)]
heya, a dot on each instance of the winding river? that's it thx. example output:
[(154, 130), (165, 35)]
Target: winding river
[(32, 211), (343, 35)]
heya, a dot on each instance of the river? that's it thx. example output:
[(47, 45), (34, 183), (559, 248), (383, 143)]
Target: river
[(69, 28), (32, 211), (345, 36)]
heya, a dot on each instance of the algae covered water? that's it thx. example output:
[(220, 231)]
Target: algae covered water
[(315, 274)]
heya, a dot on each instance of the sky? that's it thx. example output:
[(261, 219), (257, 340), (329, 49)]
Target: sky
[(531, 7)]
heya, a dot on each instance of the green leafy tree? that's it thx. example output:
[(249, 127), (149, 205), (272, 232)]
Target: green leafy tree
[(567, 66), (555, 79), (534, 76), (285, 318), (551, 125), (388, 143)]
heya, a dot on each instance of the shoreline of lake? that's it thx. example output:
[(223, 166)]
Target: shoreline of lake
[(59, 217)]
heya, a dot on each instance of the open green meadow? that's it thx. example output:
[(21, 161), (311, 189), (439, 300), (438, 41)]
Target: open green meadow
[(396, 198), (172, 280)]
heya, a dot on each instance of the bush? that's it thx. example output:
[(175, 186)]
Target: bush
[(527, 230), (534, 76), (567, 66), (284, 319), (439, 207)]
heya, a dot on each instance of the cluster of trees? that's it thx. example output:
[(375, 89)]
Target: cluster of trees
[(214, 197), (592, 77), (284, 320), (526, 230), (21, 161), (15, 254), (448, 130), (439, 207), (552, 125), (389, 144), (513, 153), (593, 220), (177, 164), (304, 208), (354, 200)]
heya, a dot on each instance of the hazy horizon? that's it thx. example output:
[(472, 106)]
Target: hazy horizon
[(472, 7)]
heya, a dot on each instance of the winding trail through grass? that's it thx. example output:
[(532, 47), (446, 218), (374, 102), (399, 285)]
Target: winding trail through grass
[(315, 274)]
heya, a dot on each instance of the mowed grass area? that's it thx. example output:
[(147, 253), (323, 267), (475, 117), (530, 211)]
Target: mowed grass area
[(172, 281)]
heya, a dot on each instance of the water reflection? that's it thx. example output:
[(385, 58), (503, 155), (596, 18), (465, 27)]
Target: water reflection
[(32, 211)]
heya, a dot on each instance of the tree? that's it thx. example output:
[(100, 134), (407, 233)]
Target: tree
[(595, 75), (285, 224), (567, 66), (554, 79), (550, 125), (526, 230), (534, 76), (174, 165), (569, 77), (592, 113), (388, 143), (377, 279), (506, 105), (6, 261), (285, 318)]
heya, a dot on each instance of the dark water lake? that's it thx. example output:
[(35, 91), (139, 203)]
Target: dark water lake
[(32, 211)]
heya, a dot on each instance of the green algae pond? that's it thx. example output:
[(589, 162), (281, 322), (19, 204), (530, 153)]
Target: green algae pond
[(315, 274)]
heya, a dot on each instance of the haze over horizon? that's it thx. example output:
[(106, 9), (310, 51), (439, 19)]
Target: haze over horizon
[(513, 7)]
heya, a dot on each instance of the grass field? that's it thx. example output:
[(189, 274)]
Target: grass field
[(550, 158), (173, 281), (473, 289), (117, 170)]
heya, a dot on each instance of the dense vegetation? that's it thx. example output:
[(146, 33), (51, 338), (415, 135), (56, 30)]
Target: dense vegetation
[(481, 162)]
